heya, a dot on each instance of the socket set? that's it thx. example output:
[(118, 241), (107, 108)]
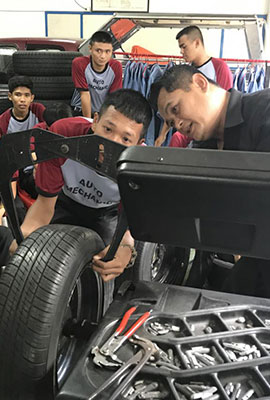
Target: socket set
[(217, 354)]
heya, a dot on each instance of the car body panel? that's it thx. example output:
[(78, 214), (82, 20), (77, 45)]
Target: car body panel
[(42, 43)]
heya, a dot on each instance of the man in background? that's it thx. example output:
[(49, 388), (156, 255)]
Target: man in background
[(95, 76), (224, 120), (191, 44)]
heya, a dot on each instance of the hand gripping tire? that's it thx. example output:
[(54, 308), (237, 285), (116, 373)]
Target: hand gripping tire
[(48, 293)]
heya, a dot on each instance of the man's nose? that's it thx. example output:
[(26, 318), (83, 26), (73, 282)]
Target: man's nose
[(178, 123), (114, 137)]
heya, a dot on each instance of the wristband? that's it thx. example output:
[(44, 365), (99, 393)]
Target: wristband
[(133, 254)]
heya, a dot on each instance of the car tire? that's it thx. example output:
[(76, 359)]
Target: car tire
[(52, 87), (161, 263), (48, 295), (47, 103), (5, 104), (47, 63)]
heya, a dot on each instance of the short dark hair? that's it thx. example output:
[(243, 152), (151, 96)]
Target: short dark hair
[(20, 80), (131, 104), (192, 31), (177, 77), (55, 111), (101, 37)]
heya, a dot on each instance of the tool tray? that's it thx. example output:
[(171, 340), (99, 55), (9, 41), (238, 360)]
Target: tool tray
[(229, 319)]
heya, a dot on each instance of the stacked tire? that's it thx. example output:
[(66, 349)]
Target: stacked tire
[(50, 72)]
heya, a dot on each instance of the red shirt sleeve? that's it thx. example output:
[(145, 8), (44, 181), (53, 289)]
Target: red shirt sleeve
[(4, 121), (179, 140), (38, 110), (118, 80), (79, 65), (223, 73)]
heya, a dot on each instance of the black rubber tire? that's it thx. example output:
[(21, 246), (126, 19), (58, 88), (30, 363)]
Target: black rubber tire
[(44, 63), (160, 263), (47, 284), (53, 87), (49, 102), (4, 104)]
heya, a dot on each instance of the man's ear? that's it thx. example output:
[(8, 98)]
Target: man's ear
[(200, 81), (90, 48), (9, 95), (141, 141), (32, 98), (197, 42), (95, 121)]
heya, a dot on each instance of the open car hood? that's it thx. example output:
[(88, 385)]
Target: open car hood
[(123, 26)]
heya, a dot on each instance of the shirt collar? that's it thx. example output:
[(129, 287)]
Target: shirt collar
[(234, 110)]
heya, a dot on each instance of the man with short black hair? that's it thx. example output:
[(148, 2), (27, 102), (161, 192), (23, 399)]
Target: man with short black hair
[(96, 76), (219, 119), (191, 44), (24, 114), (72, 193)]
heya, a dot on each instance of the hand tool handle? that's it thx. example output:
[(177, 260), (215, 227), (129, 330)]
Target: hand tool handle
[(124, 320), (137, 324)]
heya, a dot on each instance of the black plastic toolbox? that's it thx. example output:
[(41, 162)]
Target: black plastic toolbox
[(232, 319)]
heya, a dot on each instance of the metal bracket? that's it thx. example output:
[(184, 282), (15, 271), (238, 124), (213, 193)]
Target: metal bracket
[(16, 152)]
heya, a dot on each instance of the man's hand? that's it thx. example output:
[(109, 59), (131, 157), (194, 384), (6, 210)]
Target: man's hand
[(2, 212), (111, 269), (13, 247)]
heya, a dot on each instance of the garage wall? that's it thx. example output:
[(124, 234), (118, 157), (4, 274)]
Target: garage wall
[(64, 18), (211, 6)]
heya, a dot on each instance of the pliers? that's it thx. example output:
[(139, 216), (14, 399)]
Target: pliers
[(137, 361), (105, 355)]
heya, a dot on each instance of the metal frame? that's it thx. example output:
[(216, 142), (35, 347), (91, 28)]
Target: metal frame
[(250, 23), (93, 151)]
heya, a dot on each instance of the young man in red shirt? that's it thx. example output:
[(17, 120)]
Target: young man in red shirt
[(95, 76), (71, 193)]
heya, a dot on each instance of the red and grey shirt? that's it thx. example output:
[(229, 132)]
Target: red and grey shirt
[(79, 183), (9, 123), (217, 70), (98, 83)]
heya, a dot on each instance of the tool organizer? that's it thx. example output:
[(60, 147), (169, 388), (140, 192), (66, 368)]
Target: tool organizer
[(235, 325), (231, 325), (246, 322)]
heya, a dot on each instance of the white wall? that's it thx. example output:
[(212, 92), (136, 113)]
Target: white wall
[(191, 6), (210, 6), (43, 5), (27, 18)]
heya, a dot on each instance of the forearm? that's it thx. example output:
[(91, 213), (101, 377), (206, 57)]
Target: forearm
[(38, 215), (86, 104), (14, 188)]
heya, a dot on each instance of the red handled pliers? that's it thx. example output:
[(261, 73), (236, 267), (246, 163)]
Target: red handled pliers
[(105, 355)]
